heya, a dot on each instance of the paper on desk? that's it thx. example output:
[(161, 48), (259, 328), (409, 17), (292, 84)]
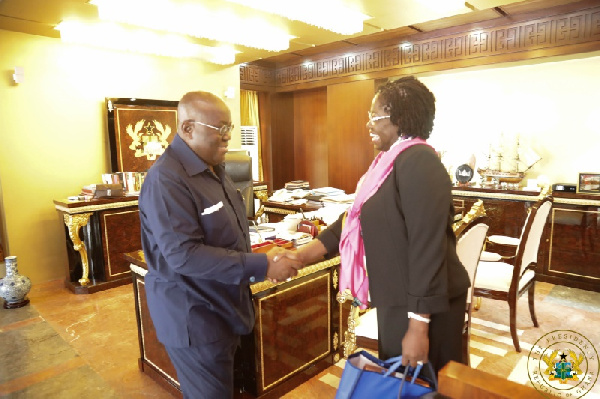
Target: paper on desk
[(286, 196), (340, 199), (329, 213), (328, 191), (297, 237)]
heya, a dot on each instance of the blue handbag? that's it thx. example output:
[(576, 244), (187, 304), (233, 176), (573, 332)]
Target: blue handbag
[(366, 376)]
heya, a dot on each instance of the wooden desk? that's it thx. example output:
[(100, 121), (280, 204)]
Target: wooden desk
[(299, 332), (456, 380), (97, 233), (276, 211)]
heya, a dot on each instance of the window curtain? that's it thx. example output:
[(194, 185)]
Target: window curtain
[(249, 117)]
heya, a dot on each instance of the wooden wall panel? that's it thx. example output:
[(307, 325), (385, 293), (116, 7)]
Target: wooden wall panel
[(350, 148), (282, 137), (310, 137), (265, 116)]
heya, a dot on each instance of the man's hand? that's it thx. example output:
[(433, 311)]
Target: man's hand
[(282, 264)]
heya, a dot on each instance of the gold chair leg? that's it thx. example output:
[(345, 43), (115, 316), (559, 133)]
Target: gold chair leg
[(477, 303)]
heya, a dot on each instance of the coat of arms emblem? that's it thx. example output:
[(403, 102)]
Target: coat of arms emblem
[(563, 363), (148, 139)]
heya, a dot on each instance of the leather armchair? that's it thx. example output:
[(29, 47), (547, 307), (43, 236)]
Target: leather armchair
[(238, 165)]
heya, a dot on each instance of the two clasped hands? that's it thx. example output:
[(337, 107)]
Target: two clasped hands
[(282, 265)]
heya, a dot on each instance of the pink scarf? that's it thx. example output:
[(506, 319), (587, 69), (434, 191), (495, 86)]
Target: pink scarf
[(353, 275)]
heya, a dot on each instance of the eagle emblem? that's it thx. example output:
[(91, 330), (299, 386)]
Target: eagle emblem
[(148, 139)]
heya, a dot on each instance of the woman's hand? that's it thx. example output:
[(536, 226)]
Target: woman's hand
[(415, 344), (311, 252)]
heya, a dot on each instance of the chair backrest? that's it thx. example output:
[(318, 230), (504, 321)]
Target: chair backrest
[(469, 247), (527, 252), (238, 165)]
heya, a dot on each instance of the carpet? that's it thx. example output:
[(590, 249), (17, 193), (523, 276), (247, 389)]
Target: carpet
[(558, 308)]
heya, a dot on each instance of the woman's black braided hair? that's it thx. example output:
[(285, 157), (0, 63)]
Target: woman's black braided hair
[(411, 106)]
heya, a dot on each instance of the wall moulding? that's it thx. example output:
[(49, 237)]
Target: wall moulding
[(257, 75), (561, 34)]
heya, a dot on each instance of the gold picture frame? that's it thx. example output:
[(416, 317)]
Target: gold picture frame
[(588, 183), (139, 131)]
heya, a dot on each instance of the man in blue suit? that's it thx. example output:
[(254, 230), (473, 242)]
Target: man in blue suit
[(196, 243)]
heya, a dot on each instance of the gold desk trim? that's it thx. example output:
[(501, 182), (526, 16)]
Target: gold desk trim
[(280, 211), (502, 196), (350, 333), (265, 285), (94, 208), (575, 201)]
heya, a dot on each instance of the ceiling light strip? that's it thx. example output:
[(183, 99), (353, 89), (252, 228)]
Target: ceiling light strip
[(332, 15), (115, 37), (195, 20)]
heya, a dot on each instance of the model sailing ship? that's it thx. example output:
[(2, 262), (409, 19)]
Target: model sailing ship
[(508, 169)]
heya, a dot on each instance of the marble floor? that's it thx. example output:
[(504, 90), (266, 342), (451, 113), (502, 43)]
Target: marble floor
[(64, 345)]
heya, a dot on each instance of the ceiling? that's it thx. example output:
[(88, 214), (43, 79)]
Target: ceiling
[(388, 18)]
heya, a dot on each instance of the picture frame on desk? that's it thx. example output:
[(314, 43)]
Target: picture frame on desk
[(588, 183), (139, 130)]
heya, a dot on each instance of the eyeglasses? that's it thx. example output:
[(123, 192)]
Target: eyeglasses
[(223, 130), (373, 119)]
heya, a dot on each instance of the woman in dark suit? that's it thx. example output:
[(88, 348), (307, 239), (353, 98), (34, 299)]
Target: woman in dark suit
[(399, 233)]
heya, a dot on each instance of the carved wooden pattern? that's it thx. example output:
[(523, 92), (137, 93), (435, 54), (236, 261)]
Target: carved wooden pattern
[(556, 31), (257, 75)]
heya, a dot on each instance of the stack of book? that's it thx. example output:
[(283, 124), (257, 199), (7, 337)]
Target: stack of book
[(314, 200), (297, 184), (102, 190), (88, 191)]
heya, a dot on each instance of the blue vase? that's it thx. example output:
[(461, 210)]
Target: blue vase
[(14, 287)]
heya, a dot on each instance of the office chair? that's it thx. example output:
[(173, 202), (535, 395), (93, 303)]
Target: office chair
[(238, 165)]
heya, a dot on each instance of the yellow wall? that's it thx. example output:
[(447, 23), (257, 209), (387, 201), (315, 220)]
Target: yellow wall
[(53, 138), (553, 105)]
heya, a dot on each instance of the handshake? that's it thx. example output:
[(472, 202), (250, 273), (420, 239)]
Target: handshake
[(282, 264)]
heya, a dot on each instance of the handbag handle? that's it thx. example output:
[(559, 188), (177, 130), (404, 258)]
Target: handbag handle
[(395, 363)]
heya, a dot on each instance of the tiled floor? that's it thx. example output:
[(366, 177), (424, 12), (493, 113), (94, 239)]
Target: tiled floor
[(85, 346)]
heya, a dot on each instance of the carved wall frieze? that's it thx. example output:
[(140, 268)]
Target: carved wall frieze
[(257, 75), (557, 31)]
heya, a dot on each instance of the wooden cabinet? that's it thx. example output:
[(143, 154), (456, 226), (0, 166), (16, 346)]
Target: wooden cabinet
[(573, 256), (569, 253), (97, 234), (298, 333), (507, 210)]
